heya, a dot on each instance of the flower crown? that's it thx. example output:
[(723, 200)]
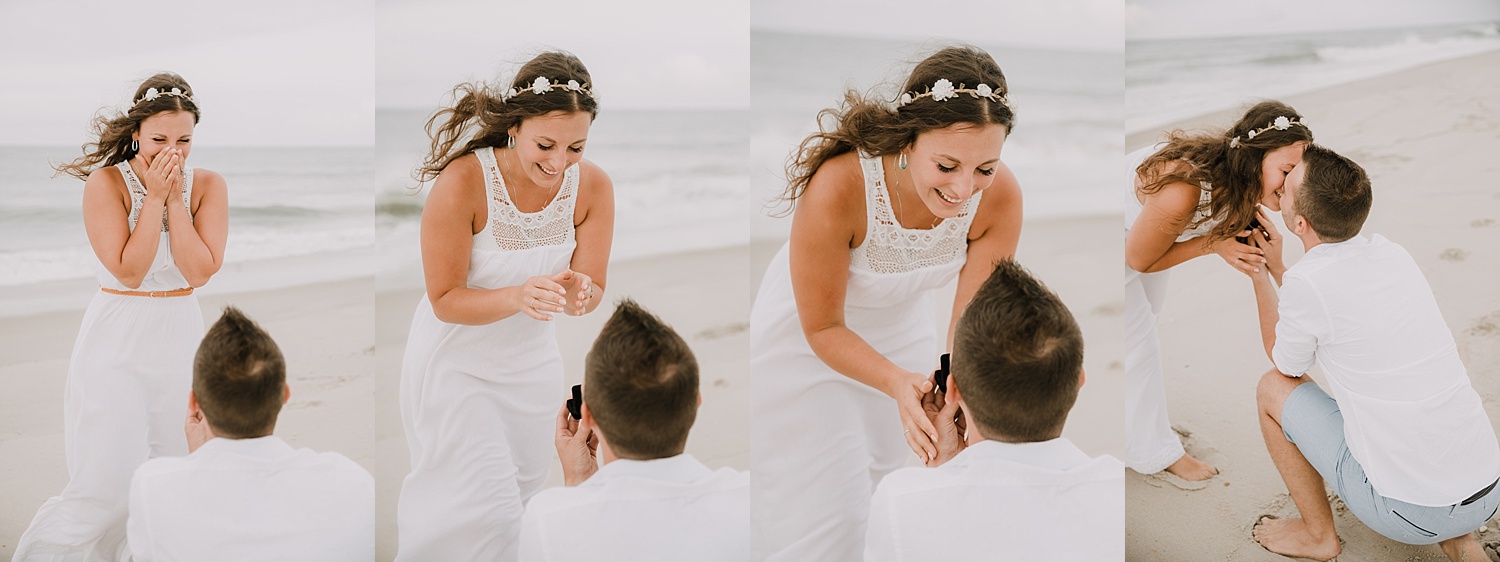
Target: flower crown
[(1281, 123), (542, 85), (943, 90), (153, 93)]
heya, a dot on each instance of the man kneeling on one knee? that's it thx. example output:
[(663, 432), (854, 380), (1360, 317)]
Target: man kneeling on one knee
[(1008, 485), (649, 500), (1404, 440), (242, 493)]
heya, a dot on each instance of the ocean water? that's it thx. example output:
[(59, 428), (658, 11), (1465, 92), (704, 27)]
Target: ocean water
[(680, 180), (1171, 80), (283, 202), (1068, 106)]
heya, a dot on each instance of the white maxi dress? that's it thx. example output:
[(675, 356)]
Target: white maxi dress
[(124, 401), (478, 402), (821, 441), (1150, 444)]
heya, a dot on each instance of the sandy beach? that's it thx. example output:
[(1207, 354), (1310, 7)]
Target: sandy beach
[(1428, 138), (704, 295), (323, 329)]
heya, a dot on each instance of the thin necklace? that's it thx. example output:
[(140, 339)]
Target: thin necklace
[(900, 209), (507, 171)]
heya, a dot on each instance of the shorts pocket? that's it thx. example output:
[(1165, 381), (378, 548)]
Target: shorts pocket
[(1414, 527)]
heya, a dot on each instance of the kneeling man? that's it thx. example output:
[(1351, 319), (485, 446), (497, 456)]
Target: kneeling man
[(649, 500), (1008, 485), (242, 493), (1404, 439)]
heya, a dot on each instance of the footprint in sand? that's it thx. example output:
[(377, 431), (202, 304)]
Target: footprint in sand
[(723, 331), (1488, 325), (1453, 254), (1491, 542), (1108, 309), (1481, 223)]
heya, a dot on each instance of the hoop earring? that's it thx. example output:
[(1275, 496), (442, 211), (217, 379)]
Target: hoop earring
[(510, 142), (135, 146), (901, 160)]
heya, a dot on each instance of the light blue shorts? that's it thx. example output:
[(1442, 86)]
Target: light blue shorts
[(1312, 421)]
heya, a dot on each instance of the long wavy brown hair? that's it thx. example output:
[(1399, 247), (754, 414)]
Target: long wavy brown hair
[(1234, 172), (111, 133), (481, 114), (876, 127)]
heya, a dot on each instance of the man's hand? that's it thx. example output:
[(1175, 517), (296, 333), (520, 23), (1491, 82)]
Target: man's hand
[(196, 428), (945, 417), (577, 448)]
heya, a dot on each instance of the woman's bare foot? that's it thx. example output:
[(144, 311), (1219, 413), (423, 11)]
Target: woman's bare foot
[(1191, 469), (1290, 537), (1464, 548)]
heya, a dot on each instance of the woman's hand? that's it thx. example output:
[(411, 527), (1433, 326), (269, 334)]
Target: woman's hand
[(1269, 239), (578, 290), (541, 296), (162, 177), (1244, 257), (921, 436)]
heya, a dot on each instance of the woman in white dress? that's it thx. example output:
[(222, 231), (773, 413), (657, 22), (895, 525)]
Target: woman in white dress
[(132, 364), (842, 342), (1191, 196), (516, 230)]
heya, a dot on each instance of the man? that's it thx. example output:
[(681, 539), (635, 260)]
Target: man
[(649, 500), (1404, 440), (242, 493), (1010, 487)]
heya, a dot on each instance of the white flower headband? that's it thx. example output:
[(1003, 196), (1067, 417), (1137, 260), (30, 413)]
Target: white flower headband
[(153, 93), (1281, 123), (943, 90), (541, 86)]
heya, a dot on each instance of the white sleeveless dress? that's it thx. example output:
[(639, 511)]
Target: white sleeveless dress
[(1150, 444), (821, 441), (478, 402), (124, 402)]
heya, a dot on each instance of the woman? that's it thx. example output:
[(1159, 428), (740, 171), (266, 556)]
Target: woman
[(1192, 196), (517, 229), (132, 363), (887, 207)]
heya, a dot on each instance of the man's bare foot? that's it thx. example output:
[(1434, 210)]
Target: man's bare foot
[(1191, 469), (1290, 537), (1464, 548)]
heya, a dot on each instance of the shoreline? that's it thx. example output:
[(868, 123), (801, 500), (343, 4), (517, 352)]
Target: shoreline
[(234, 278), (1224, 117)]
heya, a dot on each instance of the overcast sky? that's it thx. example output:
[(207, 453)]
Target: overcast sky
[(1088, 25), (1161, 19), (265, 73), (641, 53)]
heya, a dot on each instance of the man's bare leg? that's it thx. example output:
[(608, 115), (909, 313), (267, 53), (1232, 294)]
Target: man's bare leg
[(1188, 468), (1312, 535), (1464, 548)]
